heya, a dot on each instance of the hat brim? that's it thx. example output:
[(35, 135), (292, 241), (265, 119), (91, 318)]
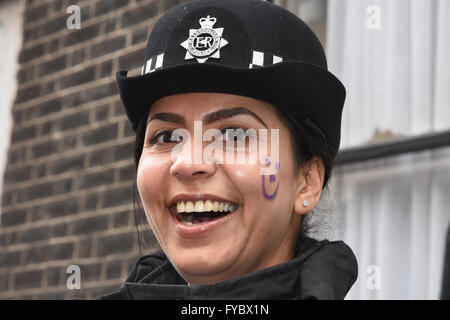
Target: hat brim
[(305, 89)]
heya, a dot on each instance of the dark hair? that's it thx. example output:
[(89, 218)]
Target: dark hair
[(307, 143)]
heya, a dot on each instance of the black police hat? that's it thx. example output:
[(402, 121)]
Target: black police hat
[(251, 48)]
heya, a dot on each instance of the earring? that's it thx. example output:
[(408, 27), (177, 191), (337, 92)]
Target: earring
[(305, 203)]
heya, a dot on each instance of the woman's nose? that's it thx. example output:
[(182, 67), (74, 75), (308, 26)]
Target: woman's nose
[(187, 165)]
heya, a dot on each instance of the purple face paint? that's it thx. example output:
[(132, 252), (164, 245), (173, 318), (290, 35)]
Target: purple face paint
[(272, 176), (272, 180)]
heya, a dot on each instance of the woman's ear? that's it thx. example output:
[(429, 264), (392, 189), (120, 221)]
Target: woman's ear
[(310, 181)]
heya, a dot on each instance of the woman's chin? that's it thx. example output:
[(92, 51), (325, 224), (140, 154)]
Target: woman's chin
[(200, 263)]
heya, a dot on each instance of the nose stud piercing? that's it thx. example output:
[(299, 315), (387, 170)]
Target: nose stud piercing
[(305, 203)]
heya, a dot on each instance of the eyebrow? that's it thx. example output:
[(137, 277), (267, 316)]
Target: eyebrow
[(167, 117), (209, 118)]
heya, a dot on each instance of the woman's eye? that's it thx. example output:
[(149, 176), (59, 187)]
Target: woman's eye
[(233, 134), (165, 136)]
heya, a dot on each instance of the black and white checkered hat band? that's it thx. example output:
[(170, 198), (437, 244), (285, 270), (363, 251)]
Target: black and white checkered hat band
[(259, 60), (153, 64)]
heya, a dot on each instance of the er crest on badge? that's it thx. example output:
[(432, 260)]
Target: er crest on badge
[(206, 42)]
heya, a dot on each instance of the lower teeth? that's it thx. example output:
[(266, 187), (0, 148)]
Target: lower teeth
[(201, 217)]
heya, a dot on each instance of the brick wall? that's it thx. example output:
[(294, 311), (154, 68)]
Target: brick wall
[(68, 185)]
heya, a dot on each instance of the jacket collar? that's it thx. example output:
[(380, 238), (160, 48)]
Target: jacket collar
[(320, 270)]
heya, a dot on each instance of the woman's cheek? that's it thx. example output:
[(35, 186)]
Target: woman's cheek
[(151, 176), (246, 179)]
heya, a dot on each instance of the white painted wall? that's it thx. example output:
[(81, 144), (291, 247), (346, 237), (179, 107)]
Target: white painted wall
[(10, 45)]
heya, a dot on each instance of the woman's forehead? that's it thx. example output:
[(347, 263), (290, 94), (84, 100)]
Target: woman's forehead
[(197, 105)]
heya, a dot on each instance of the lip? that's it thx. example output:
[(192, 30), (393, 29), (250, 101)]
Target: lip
[(195, 197), (201, 229)]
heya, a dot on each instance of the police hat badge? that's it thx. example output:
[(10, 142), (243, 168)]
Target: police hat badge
[(205, 42)]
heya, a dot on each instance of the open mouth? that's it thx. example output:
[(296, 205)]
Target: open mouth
[(198, 212)]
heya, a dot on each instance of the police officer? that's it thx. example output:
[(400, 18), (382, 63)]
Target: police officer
[(227, 231)]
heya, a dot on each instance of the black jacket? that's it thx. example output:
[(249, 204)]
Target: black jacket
[(320, 270)]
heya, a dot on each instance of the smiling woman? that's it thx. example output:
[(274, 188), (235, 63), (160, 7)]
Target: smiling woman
[(233, 229), (256, 234)]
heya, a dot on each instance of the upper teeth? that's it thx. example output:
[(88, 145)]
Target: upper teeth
[(205, 206)]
